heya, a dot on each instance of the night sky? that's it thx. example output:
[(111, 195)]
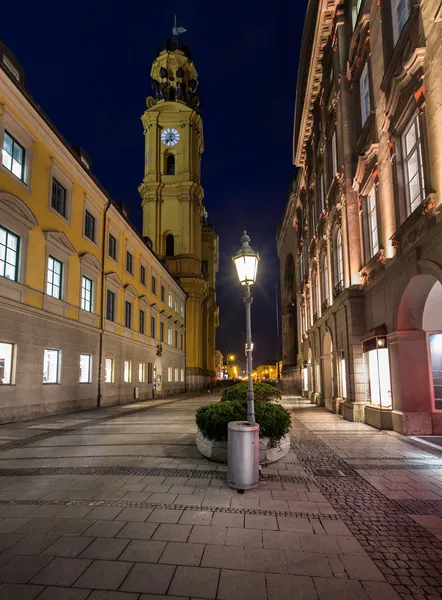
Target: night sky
[(88, 66)]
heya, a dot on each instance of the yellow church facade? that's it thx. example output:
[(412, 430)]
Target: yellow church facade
[(174, 215)]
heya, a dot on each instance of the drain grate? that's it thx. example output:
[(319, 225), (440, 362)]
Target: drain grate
[(328, 472)]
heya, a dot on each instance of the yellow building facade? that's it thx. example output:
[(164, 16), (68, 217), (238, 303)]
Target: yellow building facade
[(90, 315), (174, 216)]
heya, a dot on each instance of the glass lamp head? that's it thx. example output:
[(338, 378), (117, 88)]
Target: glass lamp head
[(246, 262)]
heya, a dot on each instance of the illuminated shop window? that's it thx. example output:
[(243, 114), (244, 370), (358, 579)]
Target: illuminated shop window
[(436, 367), (305, 379), (377, 367)]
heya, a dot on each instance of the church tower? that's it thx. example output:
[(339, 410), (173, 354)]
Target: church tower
[(174, 216)]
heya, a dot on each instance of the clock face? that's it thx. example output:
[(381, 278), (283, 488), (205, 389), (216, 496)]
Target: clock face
[(170, 137)]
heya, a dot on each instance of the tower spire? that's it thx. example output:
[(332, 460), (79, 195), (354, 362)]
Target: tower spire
[(176, 31)]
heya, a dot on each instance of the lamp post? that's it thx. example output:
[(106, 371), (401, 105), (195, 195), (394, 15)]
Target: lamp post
[(246, 263)]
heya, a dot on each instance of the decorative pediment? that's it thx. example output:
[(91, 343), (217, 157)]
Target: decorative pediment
[(60, 241), (17, 209), (154, 308), (90, 261), (359, 45), (367, 163), (143, 301), (130, 291), (114, 279)]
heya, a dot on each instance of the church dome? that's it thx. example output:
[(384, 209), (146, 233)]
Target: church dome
[(174, 43)]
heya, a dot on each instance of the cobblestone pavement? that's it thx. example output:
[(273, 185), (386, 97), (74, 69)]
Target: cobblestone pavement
[(117, 504)]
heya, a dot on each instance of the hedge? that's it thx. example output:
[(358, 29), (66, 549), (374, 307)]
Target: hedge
[(263, 392)]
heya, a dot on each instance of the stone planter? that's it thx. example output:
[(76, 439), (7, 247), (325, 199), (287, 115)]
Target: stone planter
[(217, 451)]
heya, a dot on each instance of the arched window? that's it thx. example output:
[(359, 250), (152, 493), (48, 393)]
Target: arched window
[(324, 279), (170, 164), (170, 245), (338, 260)]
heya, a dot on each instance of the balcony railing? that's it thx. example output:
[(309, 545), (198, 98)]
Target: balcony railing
[(324, 305), (338, 289)]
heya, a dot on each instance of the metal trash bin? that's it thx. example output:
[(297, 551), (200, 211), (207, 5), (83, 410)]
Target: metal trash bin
[(243, 455)]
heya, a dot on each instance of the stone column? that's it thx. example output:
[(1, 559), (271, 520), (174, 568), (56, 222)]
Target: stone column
[(410, 382)]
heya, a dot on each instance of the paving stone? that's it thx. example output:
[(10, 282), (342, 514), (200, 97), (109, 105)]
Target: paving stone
[(161, 597), (344, 589), (63, 593), (16, 591), (163, 515), (380, 591), (61, 571), (197, 517), (105, 548), (138, 531), (223, 557), (227, 520), (135, 514), (335, 527), (350, 546), (75, 512), (281, 539), (307, 563), (13, 524), (265, 560), (104, 529), (172, 533), (154, 579), (71, 527), (20, 569), (102, 595), (46, 511), (32, 545), (107, 513), (319, 543), (177, 553), (143, 551), (195, 581), (242, 585), (361, 567), (244, 537), (67, 546), (202, 534), (104, 575), (20, 510), (288, 587), (297, 525), (9, 539)]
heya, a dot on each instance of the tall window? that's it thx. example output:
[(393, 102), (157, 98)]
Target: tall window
[(86, 293), (176, 305), (85, 368), (154, 285), (182, 342), (315, 293), (356, 5), (169, 374), (182, 375), (170, 164), (58, 200), (6, 363), (364, 88), (169, 335), (142, 322), (182, 310), (141, 372), (400, 11), (170, 245), (110, 306), (413, 165), (149, 372), (9, 254), (372, 223), (89, 226), (334, 153), (152, 328), (161, 331), (176, 339), (109, 371), (13, 156), (128, 315), (54, 278), (324, 279), (170, 300), (112, 247), (51, 366), (163, 293), (127, 371), (322, 193), (177, 374), (339, 260), (129, 263), (143, 275), (301, 267)]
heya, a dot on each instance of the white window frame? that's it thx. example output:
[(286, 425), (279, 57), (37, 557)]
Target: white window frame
[(9, 123), (372, 223), (7, 251), (127, 371), (182, 376), (169, 374), (51, 263), (142, 372), (58, 173), (88, 378), (112, 370), (364, 89), (182, 309), (397, 27), (94, 211), (417, 151), (91, 269), (176, 306), (170, 300), (169, 335), (8, 364), (177, 374), (87, 295), (58, 374)]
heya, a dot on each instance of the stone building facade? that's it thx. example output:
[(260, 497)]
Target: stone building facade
[(90, 316), (365, 212)]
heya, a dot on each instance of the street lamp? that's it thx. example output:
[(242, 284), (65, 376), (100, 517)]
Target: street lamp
[(246, 263)]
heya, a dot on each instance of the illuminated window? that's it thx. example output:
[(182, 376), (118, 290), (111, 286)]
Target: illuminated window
[(54, 277), (378, 372), (169, 374), (86, 293), (9, 254), (85, 368), (109, 370), (413, 165), (436, 367), (177, 374), (6, 363), (142, 372), (401, 11), (176, 305), (364, 89), (51, 366), (169, 335), (182, 375), (356, 5), (324, 278), (170, 300), (343, 377), (301, 267), (182, 310), (127, 371), (13, 156), (305, 379), (373, 239), (339, 260)]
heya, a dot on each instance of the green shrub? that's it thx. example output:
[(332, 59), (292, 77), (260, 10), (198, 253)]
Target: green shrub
[(212, 420), (263, 392)]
